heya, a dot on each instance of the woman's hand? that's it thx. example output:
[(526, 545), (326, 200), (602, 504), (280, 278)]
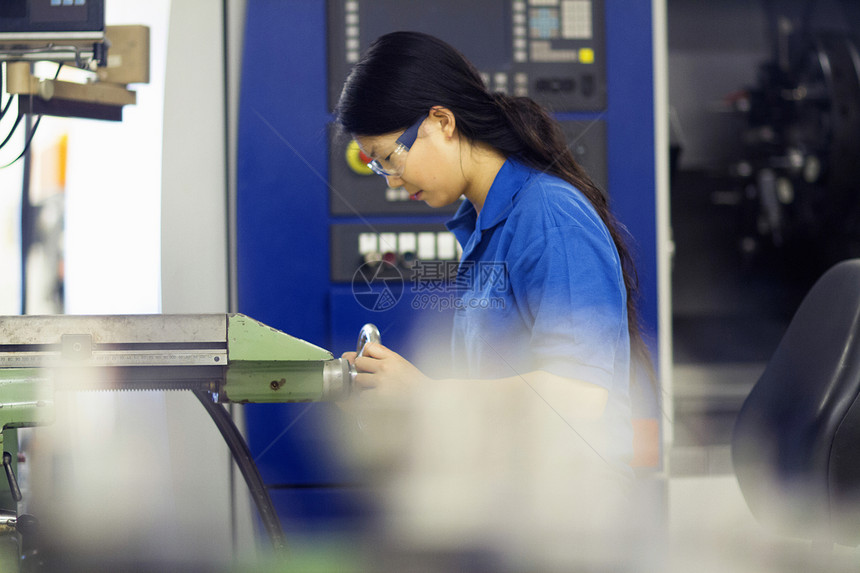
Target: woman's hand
[(385, 371)]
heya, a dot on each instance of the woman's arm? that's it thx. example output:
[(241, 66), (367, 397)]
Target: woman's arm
[(390, 375)]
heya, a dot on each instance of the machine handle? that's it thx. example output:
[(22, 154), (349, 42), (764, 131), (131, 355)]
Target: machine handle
[(10, 475), (339, 375), (368, 333)]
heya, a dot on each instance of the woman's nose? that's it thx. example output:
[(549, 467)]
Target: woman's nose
[(394, 181)]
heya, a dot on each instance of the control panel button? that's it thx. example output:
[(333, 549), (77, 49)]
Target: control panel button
[(372, 258), (555, 85), (368, 243), (586, 55), (390, 258), (588, 85), (357, 160), (407, 243), (446, 246), (426, 246), (388, 242)]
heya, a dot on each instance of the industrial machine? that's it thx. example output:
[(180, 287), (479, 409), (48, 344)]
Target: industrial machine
[(800, 171), (71, 34), (220, 358), (303, 188)]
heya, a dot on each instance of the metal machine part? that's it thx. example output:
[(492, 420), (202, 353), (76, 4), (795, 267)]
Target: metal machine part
[(368, 333), (115, 55), (233, 356), (25, 18), (338, 376), (800, 170), (220, 358), (70, 32)]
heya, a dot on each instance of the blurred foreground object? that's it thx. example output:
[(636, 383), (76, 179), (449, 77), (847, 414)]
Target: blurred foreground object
[(220, 358)]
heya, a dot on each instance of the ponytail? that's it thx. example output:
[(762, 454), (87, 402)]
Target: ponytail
[(539, 143)]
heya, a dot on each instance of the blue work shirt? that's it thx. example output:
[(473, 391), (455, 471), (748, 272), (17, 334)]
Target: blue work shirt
[(541, 287)]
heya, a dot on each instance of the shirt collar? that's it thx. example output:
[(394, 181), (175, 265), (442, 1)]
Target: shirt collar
[(497, 206)]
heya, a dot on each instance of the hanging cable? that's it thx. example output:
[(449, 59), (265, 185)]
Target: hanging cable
[(3, 114), (26, 145), (9, 101), (242, 456), (32, 131), (6, 107), (11, 131)]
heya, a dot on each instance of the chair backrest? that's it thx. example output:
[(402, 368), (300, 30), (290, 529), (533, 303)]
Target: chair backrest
[(796, 442)]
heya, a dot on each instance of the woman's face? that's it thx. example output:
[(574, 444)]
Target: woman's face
[(430, 170)]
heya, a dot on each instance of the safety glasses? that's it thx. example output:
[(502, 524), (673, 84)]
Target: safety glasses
[(394, 162)]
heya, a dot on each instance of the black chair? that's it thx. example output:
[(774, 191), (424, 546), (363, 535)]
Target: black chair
[(796, 441)]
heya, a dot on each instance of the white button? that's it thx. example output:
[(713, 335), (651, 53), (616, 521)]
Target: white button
[(447, 246), (388, 242), (407, 243), (368, 243), (426, 246)]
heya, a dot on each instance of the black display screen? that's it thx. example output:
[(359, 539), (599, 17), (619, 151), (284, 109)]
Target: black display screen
[(481, 30), (58, 11), (13, 9), (29, 16)]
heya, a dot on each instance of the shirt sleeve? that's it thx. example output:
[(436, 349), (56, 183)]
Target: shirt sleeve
[(570, 289)]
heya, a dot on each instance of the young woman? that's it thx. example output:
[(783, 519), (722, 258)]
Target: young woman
[(536, 233)]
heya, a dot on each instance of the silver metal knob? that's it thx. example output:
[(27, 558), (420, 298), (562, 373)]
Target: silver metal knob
[(339, 375), (368, 333)]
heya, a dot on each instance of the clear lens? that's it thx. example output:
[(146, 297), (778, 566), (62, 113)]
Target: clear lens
[(391, 166)]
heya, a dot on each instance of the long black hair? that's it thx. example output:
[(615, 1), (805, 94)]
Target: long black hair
[(403, 75)]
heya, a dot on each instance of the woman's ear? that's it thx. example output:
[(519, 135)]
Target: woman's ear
[(445, 118)]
